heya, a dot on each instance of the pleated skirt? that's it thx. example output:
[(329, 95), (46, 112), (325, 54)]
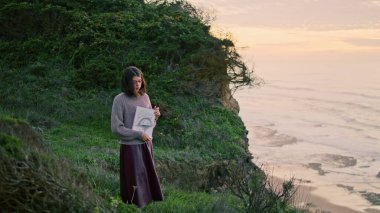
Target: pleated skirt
[(139, 183)]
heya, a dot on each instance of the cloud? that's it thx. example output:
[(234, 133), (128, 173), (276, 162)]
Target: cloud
[(307, 14), (287, 40), (363, 42)]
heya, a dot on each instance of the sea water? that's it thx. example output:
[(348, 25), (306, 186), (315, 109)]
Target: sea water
[(322, 126)]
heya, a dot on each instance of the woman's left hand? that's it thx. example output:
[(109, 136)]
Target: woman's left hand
[(157, 113)]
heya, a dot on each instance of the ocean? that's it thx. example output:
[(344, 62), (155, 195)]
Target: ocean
[(320, 125)]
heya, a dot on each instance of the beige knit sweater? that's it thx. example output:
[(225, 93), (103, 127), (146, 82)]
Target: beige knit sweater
[(123, 113)]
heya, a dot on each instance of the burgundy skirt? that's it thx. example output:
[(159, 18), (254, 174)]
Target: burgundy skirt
[(139, 183)]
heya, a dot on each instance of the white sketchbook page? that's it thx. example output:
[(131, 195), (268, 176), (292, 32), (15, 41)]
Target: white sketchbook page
[(144, 120)]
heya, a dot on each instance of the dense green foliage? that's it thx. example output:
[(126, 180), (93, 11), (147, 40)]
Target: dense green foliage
[(60, 66), (31, 180)]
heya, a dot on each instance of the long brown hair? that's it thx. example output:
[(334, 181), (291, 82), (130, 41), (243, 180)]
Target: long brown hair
[(127, 81)]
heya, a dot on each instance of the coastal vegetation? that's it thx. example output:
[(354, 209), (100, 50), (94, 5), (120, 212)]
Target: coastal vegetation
[(60, 65)]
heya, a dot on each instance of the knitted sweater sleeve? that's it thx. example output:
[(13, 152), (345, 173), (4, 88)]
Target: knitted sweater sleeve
[(118, 127)]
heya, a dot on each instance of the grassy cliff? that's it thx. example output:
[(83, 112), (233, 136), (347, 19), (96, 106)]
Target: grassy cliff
[(60, 65)]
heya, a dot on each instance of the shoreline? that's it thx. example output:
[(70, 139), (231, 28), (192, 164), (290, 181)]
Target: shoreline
[(311, 193), (324, 174), (304, 196)]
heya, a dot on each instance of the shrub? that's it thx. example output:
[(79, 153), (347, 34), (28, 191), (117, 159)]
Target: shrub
[(32, 180), (257, 190)]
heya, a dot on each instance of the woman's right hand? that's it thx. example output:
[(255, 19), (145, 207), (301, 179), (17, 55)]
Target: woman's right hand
[(145, 137)]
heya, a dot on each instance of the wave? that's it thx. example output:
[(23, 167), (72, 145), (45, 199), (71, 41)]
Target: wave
[(324, 99), (361, 106), (353, 120), (359, 126), (291, 88), (372, 137), (344, 103), (356, 129), (360, 95), (317, 89)]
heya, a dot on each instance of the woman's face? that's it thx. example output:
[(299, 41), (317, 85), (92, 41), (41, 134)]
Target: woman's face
[(136, 83)]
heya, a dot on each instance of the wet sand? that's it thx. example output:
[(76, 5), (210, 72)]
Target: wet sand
[(305, 197), (321, 172), (310, 197), (321, 196)]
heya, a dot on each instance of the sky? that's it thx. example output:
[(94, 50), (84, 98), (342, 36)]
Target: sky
[(300, 31)]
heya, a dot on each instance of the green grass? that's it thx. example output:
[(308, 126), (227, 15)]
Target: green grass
[(95, 153), (181, 201)]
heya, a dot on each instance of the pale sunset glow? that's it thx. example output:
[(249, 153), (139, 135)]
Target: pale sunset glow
[(297, 27), (300, 41)]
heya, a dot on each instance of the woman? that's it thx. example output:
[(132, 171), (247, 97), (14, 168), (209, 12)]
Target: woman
[(139, 183)]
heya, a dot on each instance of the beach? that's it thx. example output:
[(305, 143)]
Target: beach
[(325, 135)]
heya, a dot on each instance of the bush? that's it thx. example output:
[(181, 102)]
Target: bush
[(32, 180), (257, 190)]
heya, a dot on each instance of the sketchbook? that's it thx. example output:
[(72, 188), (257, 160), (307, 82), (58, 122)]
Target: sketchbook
[(144, 120)]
